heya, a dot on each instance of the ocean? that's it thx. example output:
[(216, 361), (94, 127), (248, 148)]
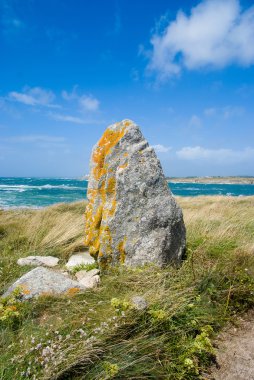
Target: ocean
[(41, 192)]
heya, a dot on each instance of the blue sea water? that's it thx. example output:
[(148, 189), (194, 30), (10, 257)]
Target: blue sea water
[(41, 192)]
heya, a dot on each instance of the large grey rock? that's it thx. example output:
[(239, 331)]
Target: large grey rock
[(131, 216), (47, 261), (42, 281), (79, 259)]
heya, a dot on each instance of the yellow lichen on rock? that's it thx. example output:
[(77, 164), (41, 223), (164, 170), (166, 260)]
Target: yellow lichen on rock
[(102, 201), (109, 139), (121, 249), (111, 186), (123, 166)]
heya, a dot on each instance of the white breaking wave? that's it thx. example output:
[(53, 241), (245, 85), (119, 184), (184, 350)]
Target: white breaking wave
[(21, 188)]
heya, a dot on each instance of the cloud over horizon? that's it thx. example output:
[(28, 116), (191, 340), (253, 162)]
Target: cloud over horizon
[(223, 155), (214, 35)]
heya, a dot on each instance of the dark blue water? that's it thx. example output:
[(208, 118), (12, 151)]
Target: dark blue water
[(41, 192)]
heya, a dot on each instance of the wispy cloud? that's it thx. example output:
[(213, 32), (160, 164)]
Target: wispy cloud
[(70, 95), (159, 148), (35, 96), (225, 112), (74, 119), (89, 103), (225, 156), (67, 118), (195, 121), (34, 139), (215, 34), (117, 22), (60, 38), (10, 23), (85, 102), (45, 142), (212, 111)]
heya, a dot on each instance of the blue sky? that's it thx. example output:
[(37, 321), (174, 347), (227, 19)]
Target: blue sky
[(69, 68)]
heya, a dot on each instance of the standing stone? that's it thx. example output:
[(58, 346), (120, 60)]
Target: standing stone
[(131, 216)]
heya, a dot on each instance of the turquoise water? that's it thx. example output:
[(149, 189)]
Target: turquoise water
[(41, 192)]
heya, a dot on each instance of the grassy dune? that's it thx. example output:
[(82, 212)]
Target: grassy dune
[(98, 335)]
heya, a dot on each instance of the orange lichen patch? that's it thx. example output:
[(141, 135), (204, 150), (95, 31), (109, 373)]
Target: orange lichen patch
[(123, 166), (127, 123), (108, 140), (121, 249), (105, 262), (72, 291), (106, 240), (126, 154), (24, 289), (11, 308), (111, 212), (102, 200), (111, 186)]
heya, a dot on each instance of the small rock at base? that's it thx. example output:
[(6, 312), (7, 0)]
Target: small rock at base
[(41, 281), (88, 274), (47, 261), (89, 279), (79, 259), (90, 282), (139, 303)]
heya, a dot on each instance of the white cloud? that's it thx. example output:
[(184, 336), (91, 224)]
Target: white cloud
[(161, 148), (225, 156), (89, 103), (35, 96), (215, 34)]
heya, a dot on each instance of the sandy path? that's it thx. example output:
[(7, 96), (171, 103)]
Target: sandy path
[(235, 352)]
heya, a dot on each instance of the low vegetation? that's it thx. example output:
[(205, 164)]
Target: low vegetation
[(98, 334)]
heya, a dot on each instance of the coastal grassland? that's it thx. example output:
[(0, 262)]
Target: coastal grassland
[(98, 334)]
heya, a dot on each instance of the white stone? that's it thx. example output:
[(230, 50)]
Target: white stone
[(47, 261), (88, 279), (88, 274), (90, 282), (139, 303), (78, 259)]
